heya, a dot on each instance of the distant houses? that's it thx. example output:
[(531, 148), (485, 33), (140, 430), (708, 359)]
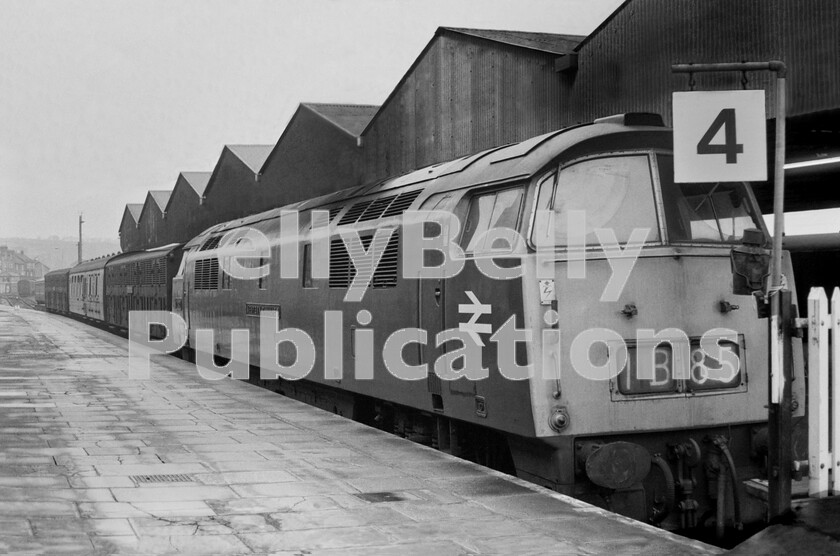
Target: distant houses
[(16, 266)]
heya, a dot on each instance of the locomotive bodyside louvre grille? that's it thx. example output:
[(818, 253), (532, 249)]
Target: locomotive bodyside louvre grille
[(372, 209), (211, 243), (353, 214), (207, 274), (386, 271), (401, 203), (343, 270), (375, 209), (334, 212)]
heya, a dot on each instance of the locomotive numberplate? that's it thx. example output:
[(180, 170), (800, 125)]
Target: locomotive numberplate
[(254, 309)]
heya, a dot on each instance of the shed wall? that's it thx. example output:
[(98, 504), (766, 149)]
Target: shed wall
[(151, 227), (312, 158), (626, 65), (184, 216), (464, 95), (129, 234), (232, 192)]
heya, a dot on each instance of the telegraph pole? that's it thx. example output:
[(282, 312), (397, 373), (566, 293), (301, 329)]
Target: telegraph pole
[(80, 236)]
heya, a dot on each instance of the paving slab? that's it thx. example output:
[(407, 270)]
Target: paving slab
[(92, 462)]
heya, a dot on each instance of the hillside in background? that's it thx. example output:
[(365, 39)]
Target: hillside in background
[(56, 252)]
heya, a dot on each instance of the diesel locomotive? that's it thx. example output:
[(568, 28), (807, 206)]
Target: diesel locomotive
[(581, 268)]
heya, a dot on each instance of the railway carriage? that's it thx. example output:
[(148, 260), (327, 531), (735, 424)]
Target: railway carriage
[(56, 291), (87, 289), (583, 422), (24, 288), (139, 281), (38, 291)]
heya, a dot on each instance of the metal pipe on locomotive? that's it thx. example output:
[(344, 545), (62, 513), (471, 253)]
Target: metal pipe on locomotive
[(663, 449)]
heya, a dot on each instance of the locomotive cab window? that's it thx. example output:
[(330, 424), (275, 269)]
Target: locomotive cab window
[(705, 212), (489, 214), (614, 192)]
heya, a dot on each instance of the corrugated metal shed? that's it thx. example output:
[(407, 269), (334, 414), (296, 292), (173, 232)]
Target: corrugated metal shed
[(197, 180), (468, 90), (252, 155), (317, 153), (352, 118), (232, 190), (150, 225), (161, 198), (184, 210), (129, 234), (134, 209), (545, 42), (625, 65)]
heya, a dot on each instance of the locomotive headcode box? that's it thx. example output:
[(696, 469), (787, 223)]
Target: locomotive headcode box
[(254, 309)]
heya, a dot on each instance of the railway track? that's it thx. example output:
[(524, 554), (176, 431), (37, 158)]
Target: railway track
[(16, 300)]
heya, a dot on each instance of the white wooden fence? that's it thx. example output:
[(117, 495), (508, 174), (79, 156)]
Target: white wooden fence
[(823, 393)]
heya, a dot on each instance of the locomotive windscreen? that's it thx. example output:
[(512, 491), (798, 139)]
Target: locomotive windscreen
[(705, 212)]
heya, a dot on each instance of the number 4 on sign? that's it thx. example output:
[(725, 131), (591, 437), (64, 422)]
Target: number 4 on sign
[(730, 147), (719, 136)]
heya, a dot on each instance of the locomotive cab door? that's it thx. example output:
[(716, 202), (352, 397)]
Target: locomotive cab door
[(432, 298), (180, 291)]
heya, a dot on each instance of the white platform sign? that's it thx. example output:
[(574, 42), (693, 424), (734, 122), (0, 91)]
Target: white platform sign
[(719, 136)]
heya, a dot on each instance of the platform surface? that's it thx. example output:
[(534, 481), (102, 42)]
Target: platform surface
[(257, 473), (812, 528)]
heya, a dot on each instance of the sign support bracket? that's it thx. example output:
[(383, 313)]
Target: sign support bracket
[(779, 463)]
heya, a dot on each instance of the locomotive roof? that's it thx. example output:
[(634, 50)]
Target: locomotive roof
[(136, 256), (497, 165)]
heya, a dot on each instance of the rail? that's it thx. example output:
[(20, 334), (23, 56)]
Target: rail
[(823, 393), (16, 300)]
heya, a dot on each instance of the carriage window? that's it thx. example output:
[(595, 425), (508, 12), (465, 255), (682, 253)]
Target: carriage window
[(615, 193), (705, 212), (490, 211)]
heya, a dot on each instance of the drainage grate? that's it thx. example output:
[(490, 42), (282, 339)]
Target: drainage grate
[(156, 479), (374, 497)]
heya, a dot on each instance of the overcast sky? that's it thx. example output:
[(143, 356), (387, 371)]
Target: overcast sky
[(101, 101)]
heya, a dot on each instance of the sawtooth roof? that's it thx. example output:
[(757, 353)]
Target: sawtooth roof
[(542, 42), (252, 155), (545, 42), (161, 198), (352, 118), (197, 180), (134, 209)]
